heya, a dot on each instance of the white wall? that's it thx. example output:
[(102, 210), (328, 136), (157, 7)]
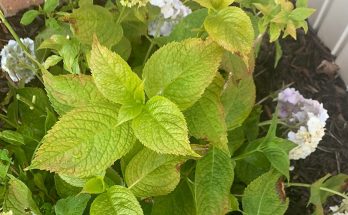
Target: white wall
[(331, 22)]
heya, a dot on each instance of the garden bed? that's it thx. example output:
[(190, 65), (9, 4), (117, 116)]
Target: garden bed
[(307, 66)]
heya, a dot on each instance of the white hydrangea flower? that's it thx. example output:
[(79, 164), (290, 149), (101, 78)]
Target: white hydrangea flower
[(15, 62), (340, 210), (309, 115), (6, 213), (172, 11)]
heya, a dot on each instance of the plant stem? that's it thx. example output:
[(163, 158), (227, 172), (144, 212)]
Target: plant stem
[(321, 188), (4, 118), (152, 44), (120, 17)]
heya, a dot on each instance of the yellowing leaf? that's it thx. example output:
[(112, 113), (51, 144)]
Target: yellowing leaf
[(69, 91), (206, 118), (152, 174), (213, 180), (84, 142), (162, 128), (18, 198), (117, 200), (92, 20), (181, 71), (232, 29), (215, 4), (265, 195), (113, 76), (238, 97)]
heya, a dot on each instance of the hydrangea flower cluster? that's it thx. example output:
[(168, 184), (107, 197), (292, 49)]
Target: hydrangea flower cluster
[(6, 213), (15, 62), (172, 11), (340, 210), (132, 3), (309, 115)]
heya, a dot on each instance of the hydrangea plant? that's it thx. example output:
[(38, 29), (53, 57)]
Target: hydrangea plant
[(134, 120)]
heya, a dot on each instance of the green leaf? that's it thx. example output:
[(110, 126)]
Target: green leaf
[(251, 167), (213, 180), (114, 78), (234, 203), (236, 138), (181, 71), (161, 127), (129, 112), (92, 20), (278, 53), (72, 205), (84, 142), (188, 27), (278, 157), (231, 28), (94, 185), (29, 16), (152, 174), (206, 118), (337, 183), (85, 2), (235, 66), (178, 202), (302, 3), (12, 137), (274, 32), (117, 200), (67, 48), (238, 99), (251, 124), (50, 5), (75, 181), (18, 198), (5, 162), (32, 109), (315, 197), (64, 189), (52, 61), (123, 48), (215, 4), (265, 195), (300, 14), (67, 92)]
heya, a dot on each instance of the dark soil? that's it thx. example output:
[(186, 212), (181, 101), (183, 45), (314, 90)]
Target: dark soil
[(301, 64), (307, 63)]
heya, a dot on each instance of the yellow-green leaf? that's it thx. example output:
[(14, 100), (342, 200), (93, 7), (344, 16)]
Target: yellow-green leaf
[(152, 174), (70, 91), (206, 118), (90, 20), (266, 189), (181, 71), (213, 180), (232, 29), (162, 128), (114, 77), (215, 4), (117, 200), (18, 198), (84, 142)]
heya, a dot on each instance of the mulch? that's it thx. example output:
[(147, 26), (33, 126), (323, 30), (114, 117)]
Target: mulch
[(307, 64)]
